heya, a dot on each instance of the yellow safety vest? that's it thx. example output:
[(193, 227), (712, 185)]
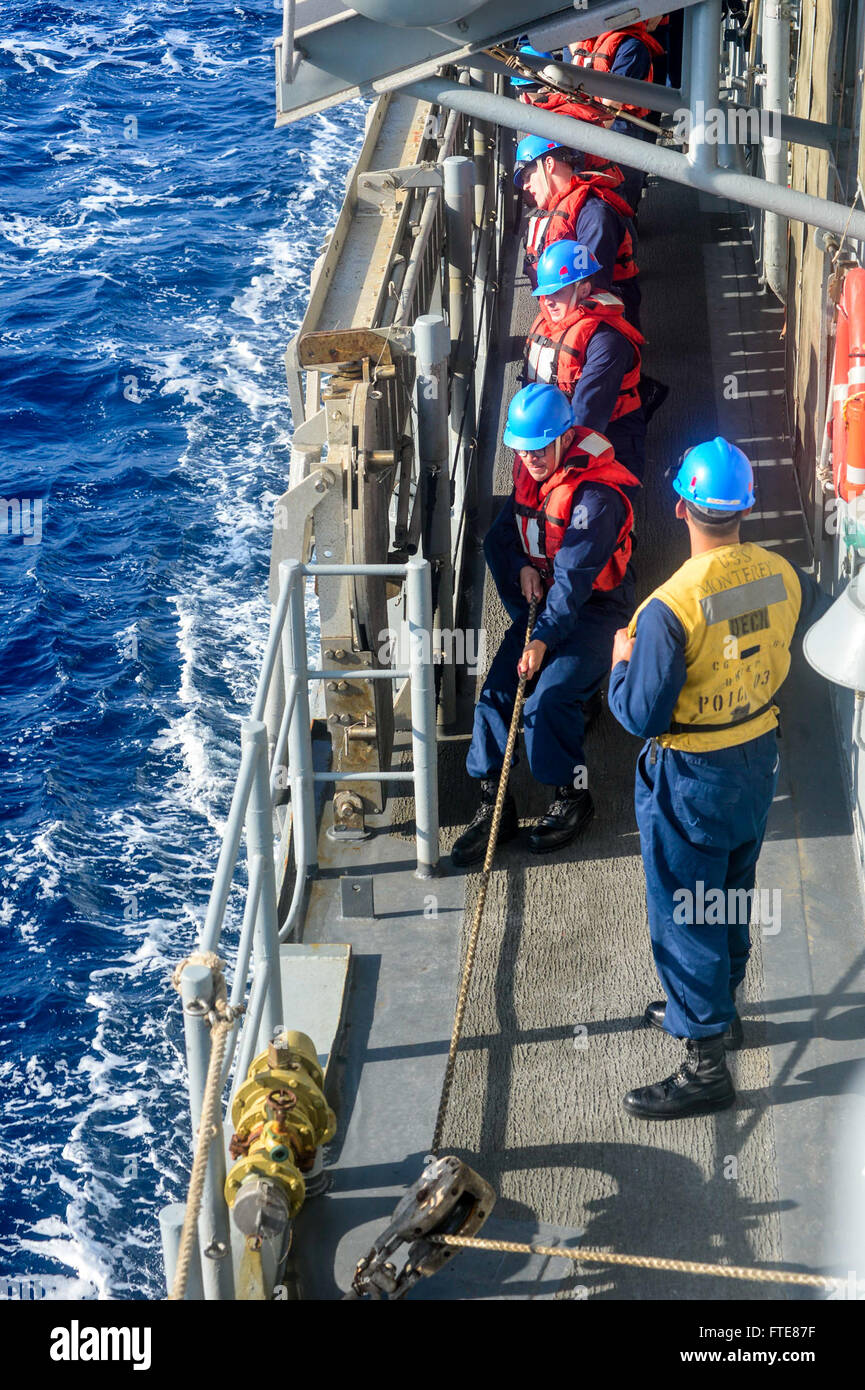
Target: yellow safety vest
[(738, 605)]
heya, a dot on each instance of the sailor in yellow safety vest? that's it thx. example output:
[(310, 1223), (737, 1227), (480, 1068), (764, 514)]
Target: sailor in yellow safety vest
[(696, 673)]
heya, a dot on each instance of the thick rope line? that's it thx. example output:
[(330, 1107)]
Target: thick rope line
[(607, 1257), (471, 949)]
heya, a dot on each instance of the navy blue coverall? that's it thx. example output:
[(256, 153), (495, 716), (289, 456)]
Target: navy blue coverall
[(702, 818), (609, 356), (576, 622), (601, 229), (632, 59)]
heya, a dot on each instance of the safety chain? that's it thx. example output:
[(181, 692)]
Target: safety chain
[(221, 1018), (471, 949), (607, 1257)]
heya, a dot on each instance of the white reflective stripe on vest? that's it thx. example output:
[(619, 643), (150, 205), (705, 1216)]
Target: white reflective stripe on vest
[(537, 227), (595, 444), (532, 538), (541, 362)]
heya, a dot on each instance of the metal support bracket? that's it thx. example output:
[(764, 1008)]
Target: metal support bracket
[(289, 57), (327, 349), (382, 185)]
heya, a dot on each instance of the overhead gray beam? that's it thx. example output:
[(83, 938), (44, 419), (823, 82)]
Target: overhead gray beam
[(343, 54), (602, 84), (668, 100), (638, 154)]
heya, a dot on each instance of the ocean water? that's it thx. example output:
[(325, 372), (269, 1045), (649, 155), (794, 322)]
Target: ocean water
[(156, 240)]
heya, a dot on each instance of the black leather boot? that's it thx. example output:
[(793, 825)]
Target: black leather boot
[(567, 814), (702, 1084), (472, 844), (652, 394), (733, 1038)]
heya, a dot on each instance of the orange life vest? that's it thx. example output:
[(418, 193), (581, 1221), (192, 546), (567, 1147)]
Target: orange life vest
[(544, 510), (557, 352), (569, 106), (560, 221), (600, 53)]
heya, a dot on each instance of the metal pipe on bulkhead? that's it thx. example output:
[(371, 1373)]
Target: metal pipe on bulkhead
[(432, 345), (480, 150), (705, 58), (459, 180), (423, 715), (652, 159), (776, 97)]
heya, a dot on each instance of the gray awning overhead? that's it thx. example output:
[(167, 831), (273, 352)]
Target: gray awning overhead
[(328, 53)]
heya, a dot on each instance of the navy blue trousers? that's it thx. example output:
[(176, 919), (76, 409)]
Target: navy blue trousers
[(632, 188), (553, 722), (628, 438), (702, 818), (631, 295)]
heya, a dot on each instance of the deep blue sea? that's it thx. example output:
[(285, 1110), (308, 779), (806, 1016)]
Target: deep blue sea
[(156, 240)]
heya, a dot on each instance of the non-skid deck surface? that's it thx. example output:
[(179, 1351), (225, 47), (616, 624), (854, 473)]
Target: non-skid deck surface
[(552, 1034), (564, 969)]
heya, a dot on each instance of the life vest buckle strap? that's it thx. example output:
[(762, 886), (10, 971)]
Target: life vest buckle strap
[(677, 728)]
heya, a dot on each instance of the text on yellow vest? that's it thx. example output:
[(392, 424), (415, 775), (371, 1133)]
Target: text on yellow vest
[(738, 606)]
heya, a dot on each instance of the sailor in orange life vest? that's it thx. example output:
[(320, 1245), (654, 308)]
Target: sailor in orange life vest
[(582, 343), (578, 205), (696, 673), (534, 93), (563, 537), (628, 52)]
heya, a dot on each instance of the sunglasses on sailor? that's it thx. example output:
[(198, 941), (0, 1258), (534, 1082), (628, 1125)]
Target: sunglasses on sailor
[(532, 453)]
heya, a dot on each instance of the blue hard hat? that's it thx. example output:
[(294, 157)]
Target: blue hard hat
[(564, 263), (530, 148), (536, 53), (716, 476), (536, 416)]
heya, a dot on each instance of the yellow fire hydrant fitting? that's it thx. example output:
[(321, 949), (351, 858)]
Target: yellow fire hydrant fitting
[(281, 1117)]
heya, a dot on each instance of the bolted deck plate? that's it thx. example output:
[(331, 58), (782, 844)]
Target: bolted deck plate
[(356, 896)]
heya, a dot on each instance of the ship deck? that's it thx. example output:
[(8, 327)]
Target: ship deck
[(553, 1034)]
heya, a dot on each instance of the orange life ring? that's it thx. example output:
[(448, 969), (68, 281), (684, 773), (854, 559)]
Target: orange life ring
[(848, 390)]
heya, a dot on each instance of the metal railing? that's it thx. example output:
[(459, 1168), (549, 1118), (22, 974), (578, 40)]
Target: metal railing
[(260, 778)]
